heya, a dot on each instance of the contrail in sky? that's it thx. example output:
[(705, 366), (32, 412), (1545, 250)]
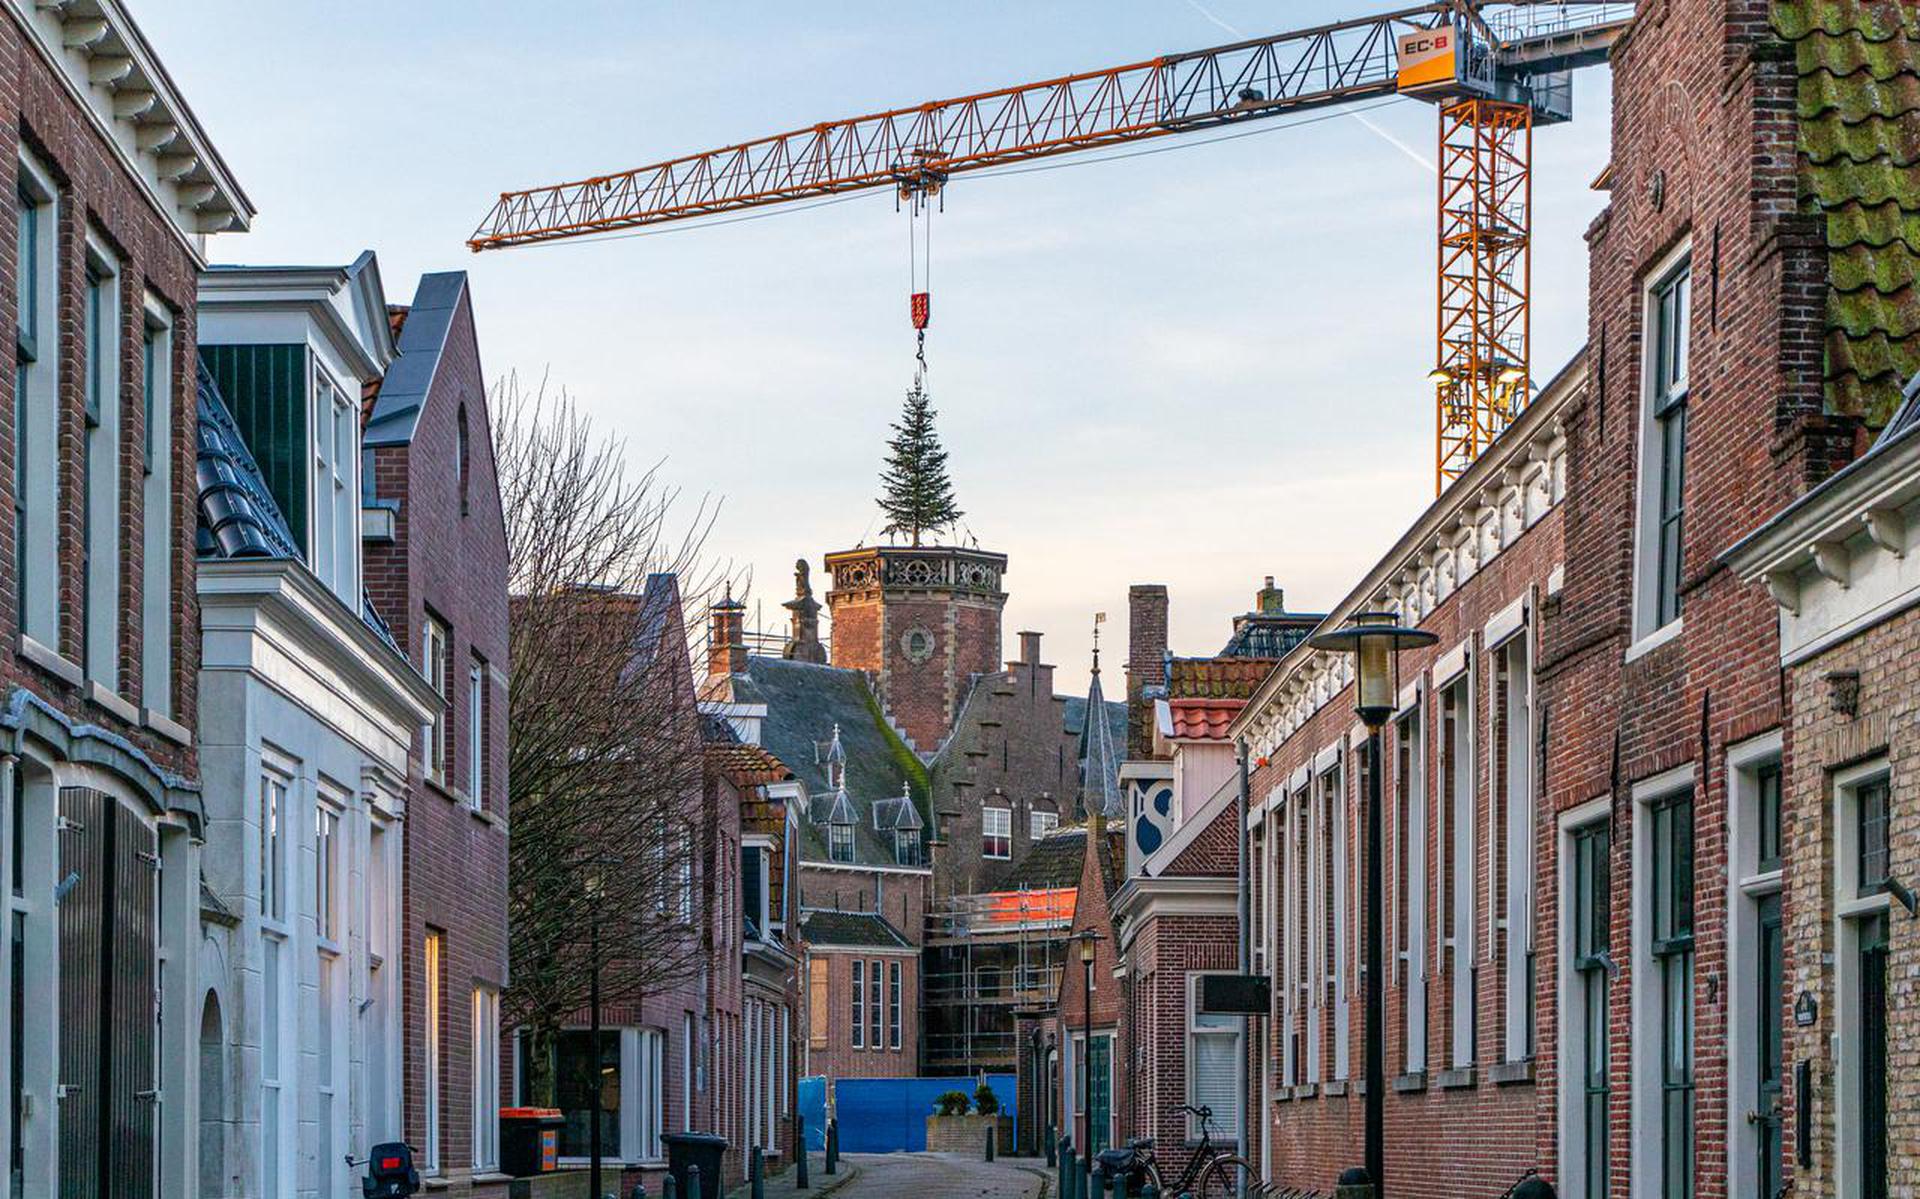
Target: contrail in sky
[(1426, 164)]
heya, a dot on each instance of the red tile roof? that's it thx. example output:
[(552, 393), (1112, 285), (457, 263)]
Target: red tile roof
[(1203, 719), (1216, 678), (747, 765)]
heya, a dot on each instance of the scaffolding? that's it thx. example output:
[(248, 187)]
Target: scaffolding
[(988, 957)]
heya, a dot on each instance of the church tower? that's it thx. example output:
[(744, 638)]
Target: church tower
[(924, 620)]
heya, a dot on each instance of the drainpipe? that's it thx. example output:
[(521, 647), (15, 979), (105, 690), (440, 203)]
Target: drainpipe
[(1246, 945)]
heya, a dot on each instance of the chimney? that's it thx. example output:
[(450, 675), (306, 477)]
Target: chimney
[(1146, 661), (1270, 600), (1030, 648), (726, 637)]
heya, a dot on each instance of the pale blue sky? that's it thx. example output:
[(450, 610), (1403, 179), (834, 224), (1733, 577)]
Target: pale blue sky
[(1195, 367)]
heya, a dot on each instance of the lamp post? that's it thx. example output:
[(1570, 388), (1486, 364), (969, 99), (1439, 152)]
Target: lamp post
[(1086, 940), (594, 884), (1375, 640)]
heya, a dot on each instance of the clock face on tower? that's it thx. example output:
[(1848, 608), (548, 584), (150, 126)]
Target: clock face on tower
[(917, 644)]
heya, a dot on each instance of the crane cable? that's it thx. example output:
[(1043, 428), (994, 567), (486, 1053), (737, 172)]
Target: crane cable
[(919, 190)]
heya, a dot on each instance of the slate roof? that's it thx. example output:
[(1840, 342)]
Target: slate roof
[(804, 703), (423, 327), (1099, 759), (1858, 107), (1051, 862), (859, 930)]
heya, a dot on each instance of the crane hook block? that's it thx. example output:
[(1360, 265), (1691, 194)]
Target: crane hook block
[(920, 306)]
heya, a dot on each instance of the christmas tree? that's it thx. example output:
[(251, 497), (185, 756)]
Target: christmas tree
[(919, 497)]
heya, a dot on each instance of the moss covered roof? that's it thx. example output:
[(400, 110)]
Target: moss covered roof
[(1858, 103)]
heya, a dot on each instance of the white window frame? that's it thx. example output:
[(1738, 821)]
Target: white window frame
[(1645, 1100), (486, 1078), (1226, 1123), (156, 554), (1459, 910), (1516, 905), (1646, 538), (1748, 886), (1410, 842), (1850, 911), (859, 977), (476, 734), (40, 548), (436, 645), (1571, 1042), (895, 985), (1336, 811), (334, 522), (996, 825), (100, 588), (1040, 823)]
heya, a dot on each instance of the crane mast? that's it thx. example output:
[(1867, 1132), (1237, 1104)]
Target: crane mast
[(1493, 69)]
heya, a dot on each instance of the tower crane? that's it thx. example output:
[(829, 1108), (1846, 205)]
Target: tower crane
[(1493, 68)]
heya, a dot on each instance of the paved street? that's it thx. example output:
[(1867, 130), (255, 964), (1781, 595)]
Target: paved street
[(939, 1176)]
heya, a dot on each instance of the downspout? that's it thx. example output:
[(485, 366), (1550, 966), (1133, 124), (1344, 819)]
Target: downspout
[(1245, 912)]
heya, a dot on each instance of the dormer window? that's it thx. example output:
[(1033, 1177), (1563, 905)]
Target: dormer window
[(906, 846), (840, 842)]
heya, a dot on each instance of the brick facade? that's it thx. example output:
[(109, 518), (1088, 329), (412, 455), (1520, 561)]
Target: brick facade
[(831, 1051), (448, 560), (1146, 662)]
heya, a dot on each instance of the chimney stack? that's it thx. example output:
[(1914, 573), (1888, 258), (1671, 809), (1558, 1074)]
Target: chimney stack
[(1270, 600), (726, 637), (1146, 662), (1030, 648)]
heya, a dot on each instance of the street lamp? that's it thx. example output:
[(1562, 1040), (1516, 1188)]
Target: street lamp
[(1086, 939), (1375, 640), (594, 884)]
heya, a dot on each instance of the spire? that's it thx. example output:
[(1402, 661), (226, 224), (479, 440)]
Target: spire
[(1100, 767)]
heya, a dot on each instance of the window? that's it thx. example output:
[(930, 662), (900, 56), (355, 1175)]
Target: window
[(100, 471), (1213, 1066), (1672, 912), (36, 405), (1513, 846), (1457, 856), (1333, 965), (462, 451), (326, 872), (840, 842), (272, 1112), (1039, 824), (893, 1005), (273, 857), (687, 1052), (581, 1067), (1664, 449), (906, 846), (874, 1011), (486, 1078), (334, 533), (328, 1060), (1410, 890), (1862, 909), (1756, 970), (156, 503), (435, 648), (1870, 812), (859, 1004), (434, 959), (753, 887), (1589, 907), (996, 832), (477, 733), (1769, 817), (819, 1005)]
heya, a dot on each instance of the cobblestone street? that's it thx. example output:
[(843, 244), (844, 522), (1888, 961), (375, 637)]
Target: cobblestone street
[(940, 1176)]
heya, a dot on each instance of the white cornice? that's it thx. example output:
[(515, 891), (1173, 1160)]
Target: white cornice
[(309, 292), (1178, 895), (106, 65)]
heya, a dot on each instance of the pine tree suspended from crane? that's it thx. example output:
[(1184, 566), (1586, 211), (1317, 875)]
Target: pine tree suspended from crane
[(1496, 68), (917, 495)]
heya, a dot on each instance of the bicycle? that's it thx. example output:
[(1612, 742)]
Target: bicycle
[(1211, 1173)]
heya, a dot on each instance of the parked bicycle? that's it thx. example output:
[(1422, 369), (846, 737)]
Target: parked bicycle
[(1211, 1173)]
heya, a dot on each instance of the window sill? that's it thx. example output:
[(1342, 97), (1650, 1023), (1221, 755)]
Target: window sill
[(1336, 1089), (1654, 640), (1306, 1090), (486, 817), (106, 697), (167, 727), (1283, 1095), (51, 661), (1507, 1074), (1456, 1080), (1408, 1084)]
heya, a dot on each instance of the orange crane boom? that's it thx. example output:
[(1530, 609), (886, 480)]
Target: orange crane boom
[(1495, 68)]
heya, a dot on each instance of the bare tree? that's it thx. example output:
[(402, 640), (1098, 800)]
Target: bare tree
[(605, 746)]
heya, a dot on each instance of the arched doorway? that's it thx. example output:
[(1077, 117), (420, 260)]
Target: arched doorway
[(213, 1101)]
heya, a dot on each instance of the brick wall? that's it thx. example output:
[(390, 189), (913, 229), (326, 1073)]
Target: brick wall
[(453, 563), (95, 193), (835, 1055), (1146, 662)]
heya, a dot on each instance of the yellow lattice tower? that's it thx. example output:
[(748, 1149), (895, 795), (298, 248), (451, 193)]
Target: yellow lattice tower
[(1486, 222)]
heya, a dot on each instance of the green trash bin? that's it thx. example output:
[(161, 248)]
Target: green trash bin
[(703, 1149)]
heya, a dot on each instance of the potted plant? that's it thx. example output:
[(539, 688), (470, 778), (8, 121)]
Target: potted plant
[(962, 1123)]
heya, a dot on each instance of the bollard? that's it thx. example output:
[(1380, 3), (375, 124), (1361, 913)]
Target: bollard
[(757, 1174), (989, 1142), (669, 1187), (1120, 1186), (833, 1145), (694, 1189), (1085, 1170), (800, 1154), (639, 1190), (1066, 1170), (1047, 1138), (1149, 1191), (1353, 1184)]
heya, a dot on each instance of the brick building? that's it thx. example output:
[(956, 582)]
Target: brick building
[(863, 1006), (116, 187), (1480, 568), (436, 569)]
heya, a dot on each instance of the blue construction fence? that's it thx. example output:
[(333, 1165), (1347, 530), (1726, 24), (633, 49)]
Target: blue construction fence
[(886, 1115)]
